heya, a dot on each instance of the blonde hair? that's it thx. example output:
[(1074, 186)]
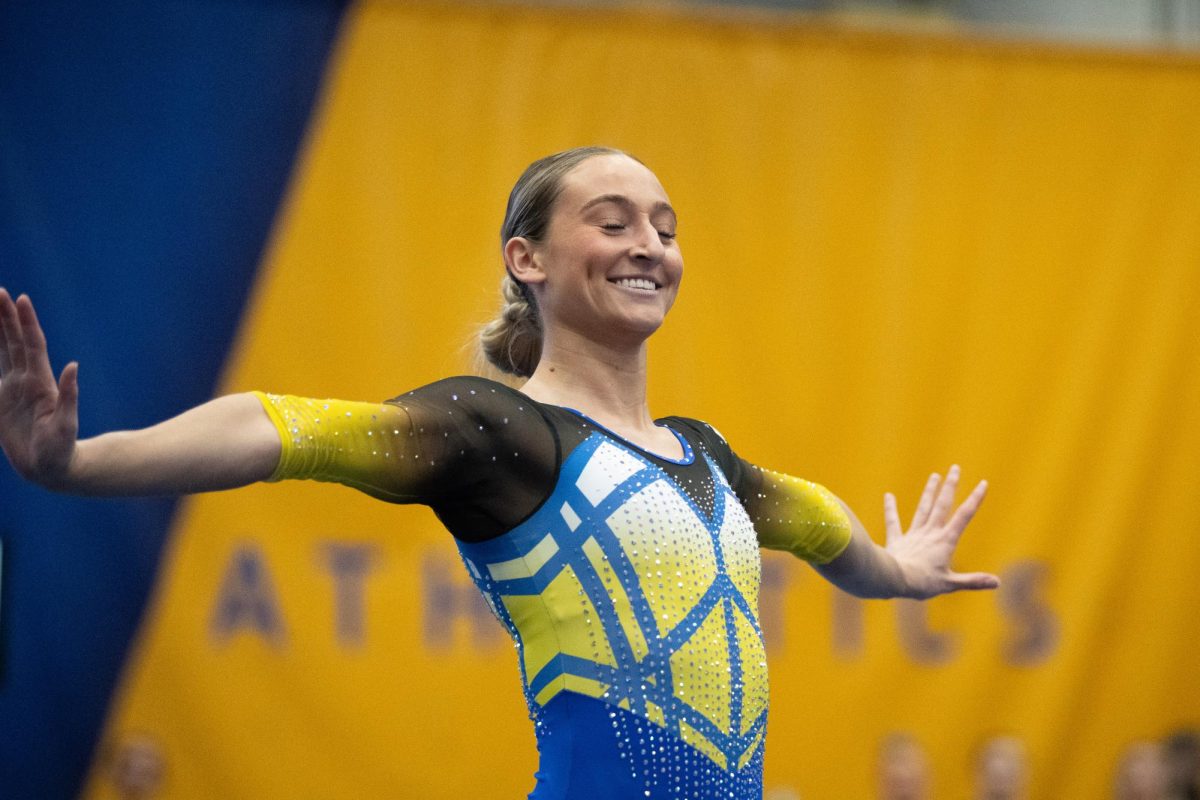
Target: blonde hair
[(512, 342)]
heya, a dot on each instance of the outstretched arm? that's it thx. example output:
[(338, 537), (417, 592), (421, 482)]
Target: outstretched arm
[(915, 563), (224, 443)]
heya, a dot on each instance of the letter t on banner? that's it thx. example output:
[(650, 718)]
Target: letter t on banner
[(349, 565)]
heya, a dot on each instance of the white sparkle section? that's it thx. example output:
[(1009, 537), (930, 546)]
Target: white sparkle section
[(739, 545), (607, 469), (569, 515)]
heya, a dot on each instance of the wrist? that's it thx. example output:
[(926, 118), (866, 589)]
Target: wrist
[(906, 578), (68, 476)]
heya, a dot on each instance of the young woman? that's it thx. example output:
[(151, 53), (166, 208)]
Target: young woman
[(620, 551)]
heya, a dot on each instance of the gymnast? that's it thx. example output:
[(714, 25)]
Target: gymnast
[(620, 551)]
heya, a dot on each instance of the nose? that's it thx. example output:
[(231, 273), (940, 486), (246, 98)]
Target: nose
[(648, 245)]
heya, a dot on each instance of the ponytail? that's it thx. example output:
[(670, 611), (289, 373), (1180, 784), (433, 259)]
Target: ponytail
[(513, 341)]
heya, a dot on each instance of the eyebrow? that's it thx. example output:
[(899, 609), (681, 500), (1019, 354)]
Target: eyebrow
[(621, 199)]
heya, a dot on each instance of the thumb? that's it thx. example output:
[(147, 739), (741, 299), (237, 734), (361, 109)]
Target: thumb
[(68, 391), (975, 580)]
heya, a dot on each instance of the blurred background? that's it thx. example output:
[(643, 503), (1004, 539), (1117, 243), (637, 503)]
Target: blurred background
[(916, 233), (1118, 22)]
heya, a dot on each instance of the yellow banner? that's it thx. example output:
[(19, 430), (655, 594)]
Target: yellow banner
[(902, 251)]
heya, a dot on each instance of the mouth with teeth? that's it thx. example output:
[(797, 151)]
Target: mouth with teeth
[(636, 284)]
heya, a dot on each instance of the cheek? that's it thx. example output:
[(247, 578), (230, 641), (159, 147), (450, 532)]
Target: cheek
[(675, 268), (676, 274), (577, 257)]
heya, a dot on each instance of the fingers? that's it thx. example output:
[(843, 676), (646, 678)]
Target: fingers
[(36, 358), (945, 497), (12, 353), (966, 511), (891, 519), (921, 515)]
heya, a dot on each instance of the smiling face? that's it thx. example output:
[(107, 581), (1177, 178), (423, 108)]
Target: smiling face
[(609, 266)]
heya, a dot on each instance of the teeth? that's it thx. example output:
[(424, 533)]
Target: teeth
[(636, 283)]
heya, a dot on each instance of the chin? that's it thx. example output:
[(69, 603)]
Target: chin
[(643, 329), (649, 317)]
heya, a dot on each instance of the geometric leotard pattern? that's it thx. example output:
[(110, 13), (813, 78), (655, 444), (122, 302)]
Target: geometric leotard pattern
[(628, 581), (621, 589)]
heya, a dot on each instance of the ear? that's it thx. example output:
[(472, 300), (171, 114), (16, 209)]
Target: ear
[(522, 260)]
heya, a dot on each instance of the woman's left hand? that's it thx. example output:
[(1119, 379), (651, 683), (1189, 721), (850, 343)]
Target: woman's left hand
[(924, 551)]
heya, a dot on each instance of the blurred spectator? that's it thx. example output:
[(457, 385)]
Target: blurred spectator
[(137, 767), (903, 768), (1001, 769), (1142, 773), (1182, 753), (781, 793)]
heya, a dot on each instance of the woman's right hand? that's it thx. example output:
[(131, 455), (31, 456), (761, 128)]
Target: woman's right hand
[(39, 419), (227, 442)]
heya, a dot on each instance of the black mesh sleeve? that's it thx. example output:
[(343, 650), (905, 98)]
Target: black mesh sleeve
[(480, 454)]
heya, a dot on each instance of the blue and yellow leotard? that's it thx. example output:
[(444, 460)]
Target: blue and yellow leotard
[(629, 581)]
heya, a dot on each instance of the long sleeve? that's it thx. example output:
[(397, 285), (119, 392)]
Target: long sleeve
[(368, 446), (481, 455), (792, 514)]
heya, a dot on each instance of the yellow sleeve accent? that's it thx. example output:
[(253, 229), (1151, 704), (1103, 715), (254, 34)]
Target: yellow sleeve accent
[(276, 418), (362, 445), (800, 517)]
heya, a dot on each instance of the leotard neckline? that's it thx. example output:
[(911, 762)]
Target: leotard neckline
[(688, 454)]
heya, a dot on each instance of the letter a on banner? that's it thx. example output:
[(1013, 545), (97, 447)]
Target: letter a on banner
[(247, 599)]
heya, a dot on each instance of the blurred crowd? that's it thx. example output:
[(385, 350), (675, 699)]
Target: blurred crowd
[(1166, 769)]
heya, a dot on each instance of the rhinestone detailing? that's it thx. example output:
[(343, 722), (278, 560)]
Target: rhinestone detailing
[(620, 588)]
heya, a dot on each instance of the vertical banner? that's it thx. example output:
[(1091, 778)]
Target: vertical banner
[(144, 149)]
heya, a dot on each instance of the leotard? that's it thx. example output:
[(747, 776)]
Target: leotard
[(628, 579)]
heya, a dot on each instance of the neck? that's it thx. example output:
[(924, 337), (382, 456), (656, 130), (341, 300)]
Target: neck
[(605, 381)]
